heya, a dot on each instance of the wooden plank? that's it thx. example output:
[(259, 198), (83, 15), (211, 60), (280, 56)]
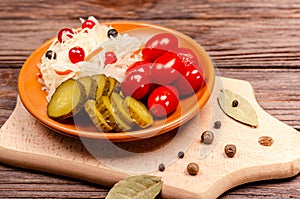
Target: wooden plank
[(16, 182), (278, 96), (149, 9), (230, 42), (235, 33), (23, 183)]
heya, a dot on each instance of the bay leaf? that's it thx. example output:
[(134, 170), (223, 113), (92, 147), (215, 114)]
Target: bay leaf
[(136, 187), (242, 112)]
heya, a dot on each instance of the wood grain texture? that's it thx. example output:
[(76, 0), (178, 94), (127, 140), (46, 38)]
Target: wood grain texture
[(230, 42), (235, 33), (254, 40), (26, 143)]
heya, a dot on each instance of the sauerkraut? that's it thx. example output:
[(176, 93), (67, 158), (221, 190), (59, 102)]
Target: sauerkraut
[(124, 47)]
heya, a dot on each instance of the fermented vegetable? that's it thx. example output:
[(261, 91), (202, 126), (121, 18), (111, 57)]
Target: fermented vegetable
[(138, 112), (97, 118), (90, 86), (67, 100)]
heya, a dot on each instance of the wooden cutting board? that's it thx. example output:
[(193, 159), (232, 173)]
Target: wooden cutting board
[(24, 142)]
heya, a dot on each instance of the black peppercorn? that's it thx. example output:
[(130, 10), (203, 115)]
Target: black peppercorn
[(180, 154), (50, 54), (235, 103), (161, 167), (207, 137), (230, 150), (193, 168), (217, 124), (112, 33)]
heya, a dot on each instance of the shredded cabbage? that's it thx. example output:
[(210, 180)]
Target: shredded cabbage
[(124, 47)]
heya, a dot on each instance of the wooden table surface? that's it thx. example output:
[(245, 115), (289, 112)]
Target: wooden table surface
[(257, 41)]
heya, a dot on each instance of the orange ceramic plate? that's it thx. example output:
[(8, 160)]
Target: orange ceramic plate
[(34, 99)]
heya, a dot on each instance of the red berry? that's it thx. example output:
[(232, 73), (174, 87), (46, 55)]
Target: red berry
[(110, 58), (61, 36), (76, 54), (88, 24)]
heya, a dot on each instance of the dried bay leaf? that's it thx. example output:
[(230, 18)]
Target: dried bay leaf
[(243, 112), (136, 187)]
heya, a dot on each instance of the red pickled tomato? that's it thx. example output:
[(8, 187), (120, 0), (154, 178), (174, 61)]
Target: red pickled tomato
[(76, 54), (158, 45), (163, 101), (187, 55), (88, 24), (65, 31), (189, 81), (136, 84), (110, 58), (142, 66), (165, 41), (151, 54), (166, 69)]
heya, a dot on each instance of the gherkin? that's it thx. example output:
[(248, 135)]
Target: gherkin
[(67, 100)]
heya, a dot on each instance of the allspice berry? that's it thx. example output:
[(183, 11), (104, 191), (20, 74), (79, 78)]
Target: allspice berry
[(207, 137), (230, 150), (266, 141), (193, 168)]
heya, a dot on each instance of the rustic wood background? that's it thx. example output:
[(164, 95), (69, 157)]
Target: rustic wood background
[(253, 40)]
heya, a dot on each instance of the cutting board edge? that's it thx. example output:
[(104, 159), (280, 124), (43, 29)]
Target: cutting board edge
[(41, 163), (25, 160)]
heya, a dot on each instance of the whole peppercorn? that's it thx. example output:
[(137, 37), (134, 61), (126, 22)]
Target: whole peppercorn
[(217, 124), (112, 33), (207, 137), (161, 167), (193, 168), (235, 103), (230, 150), (50, 54), (180, 154)]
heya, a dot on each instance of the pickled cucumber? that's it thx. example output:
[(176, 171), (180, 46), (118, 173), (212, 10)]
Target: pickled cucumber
[(90, 86), (103, 85), (97, 118), (138, 112), (118, 109), (67, 100), (120, 123), (114, 86), (104, 106), (100, 97)]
